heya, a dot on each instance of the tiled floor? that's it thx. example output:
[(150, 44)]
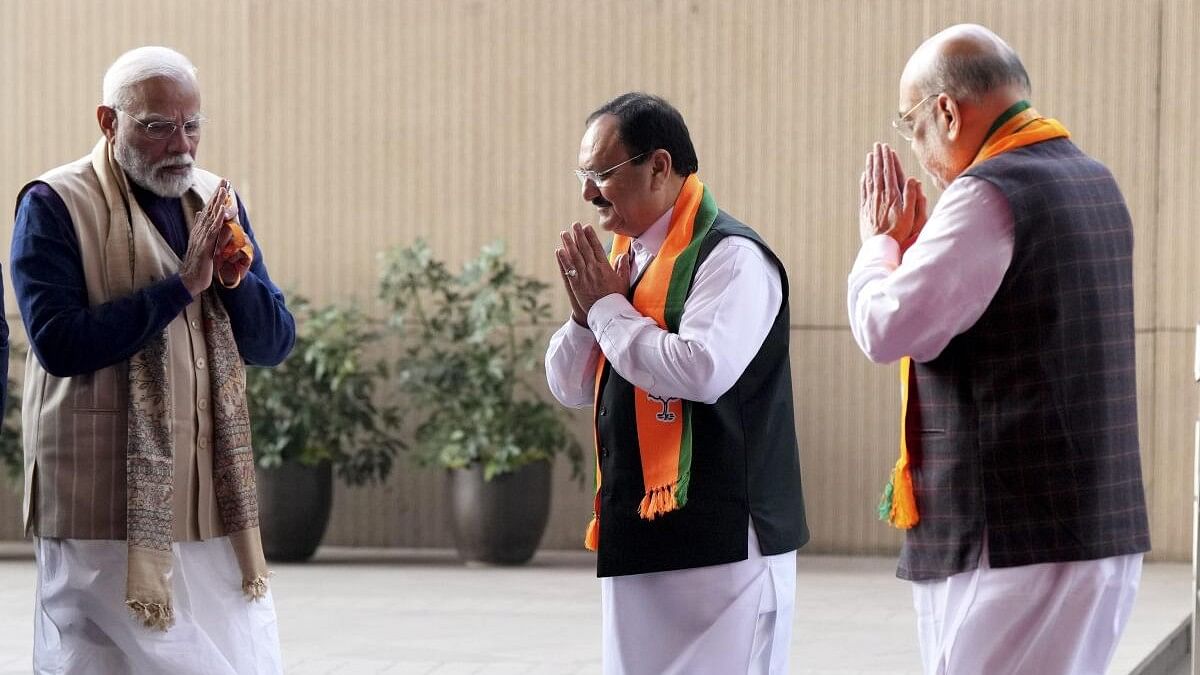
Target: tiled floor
[(421, 613)]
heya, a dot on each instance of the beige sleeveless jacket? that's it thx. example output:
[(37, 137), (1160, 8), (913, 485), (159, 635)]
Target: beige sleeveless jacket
[(74, 428)]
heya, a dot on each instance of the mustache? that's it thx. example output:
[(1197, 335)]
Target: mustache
[(180, 160), (600, 202)]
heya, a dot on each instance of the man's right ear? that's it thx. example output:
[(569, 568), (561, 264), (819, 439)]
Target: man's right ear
[(107, 118)]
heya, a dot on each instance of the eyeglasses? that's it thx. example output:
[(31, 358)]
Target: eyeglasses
[(600, 178), (904, 123), (161, 130)]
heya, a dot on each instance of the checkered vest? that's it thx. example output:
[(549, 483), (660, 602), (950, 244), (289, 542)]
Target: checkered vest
[(1027, 422)]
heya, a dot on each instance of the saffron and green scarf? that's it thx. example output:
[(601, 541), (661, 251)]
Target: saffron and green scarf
[(664, 426), (1016, 127)]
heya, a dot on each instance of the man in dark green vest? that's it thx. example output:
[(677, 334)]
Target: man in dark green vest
[(678, 338)]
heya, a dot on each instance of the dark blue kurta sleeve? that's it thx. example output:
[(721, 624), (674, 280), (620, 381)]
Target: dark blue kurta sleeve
[(68, 336), (262, 325)]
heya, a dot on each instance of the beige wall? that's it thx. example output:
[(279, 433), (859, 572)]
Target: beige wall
[(351, 126)]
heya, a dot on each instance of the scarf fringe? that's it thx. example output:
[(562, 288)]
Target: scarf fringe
[(153, 615), (898, 505), (885, 501), (658, 501), (256, 588)]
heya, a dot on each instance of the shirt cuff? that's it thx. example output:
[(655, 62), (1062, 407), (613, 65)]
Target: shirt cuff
[(878, 250), (577, 334), (605, 310)]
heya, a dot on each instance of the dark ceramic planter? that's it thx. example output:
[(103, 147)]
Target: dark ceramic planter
[(501, 521), (293, 508)]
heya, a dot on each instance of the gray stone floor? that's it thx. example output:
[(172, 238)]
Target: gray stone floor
[(421, 613)]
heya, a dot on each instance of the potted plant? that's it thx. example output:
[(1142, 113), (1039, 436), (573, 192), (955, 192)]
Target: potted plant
[(12, 455), (470, 355), (318, 412)]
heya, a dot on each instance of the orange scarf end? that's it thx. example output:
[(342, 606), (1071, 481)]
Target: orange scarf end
[(903, 513), (234, 259), (591, 538), (658, 501)]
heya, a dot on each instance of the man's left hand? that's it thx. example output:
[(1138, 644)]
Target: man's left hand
[(889, 203), (593, 277)]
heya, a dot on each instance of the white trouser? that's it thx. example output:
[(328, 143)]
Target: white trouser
[(719, 620), (82, 627), (1048, 619)]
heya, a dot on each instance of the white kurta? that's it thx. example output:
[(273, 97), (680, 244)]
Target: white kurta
[(1054, 618), (718, 620), (721, 619), (82, 627)]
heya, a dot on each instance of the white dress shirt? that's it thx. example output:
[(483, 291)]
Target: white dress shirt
[(948, 278), (734, 300)]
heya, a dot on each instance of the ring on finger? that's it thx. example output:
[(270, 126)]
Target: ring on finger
[(571, 272)]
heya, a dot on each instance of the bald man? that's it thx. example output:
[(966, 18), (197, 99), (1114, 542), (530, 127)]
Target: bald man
[(1010, 308)]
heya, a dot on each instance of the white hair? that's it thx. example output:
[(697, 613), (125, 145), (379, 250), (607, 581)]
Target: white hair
[(139, 65)]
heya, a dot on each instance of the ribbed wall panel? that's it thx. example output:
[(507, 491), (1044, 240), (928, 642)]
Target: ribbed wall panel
[(353, 126), (1178, 281), (847, 423), (1173, 466)]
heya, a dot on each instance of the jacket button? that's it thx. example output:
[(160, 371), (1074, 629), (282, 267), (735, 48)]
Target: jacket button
[(603, 452), (603, 411)]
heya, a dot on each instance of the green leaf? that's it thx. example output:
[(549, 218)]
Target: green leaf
[(320, 404), (467, 365)]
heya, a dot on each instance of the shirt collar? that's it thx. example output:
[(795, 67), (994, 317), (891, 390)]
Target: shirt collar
[(652, 239)]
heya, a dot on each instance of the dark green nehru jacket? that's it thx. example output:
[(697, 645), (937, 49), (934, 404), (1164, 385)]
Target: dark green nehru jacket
[(745, 461)]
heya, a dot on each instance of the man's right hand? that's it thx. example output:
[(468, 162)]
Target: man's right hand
[(197, 269)]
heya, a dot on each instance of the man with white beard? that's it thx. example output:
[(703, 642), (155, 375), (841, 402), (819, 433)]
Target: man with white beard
[(142, 305)]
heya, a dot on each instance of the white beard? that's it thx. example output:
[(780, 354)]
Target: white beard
[(146, 175)]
